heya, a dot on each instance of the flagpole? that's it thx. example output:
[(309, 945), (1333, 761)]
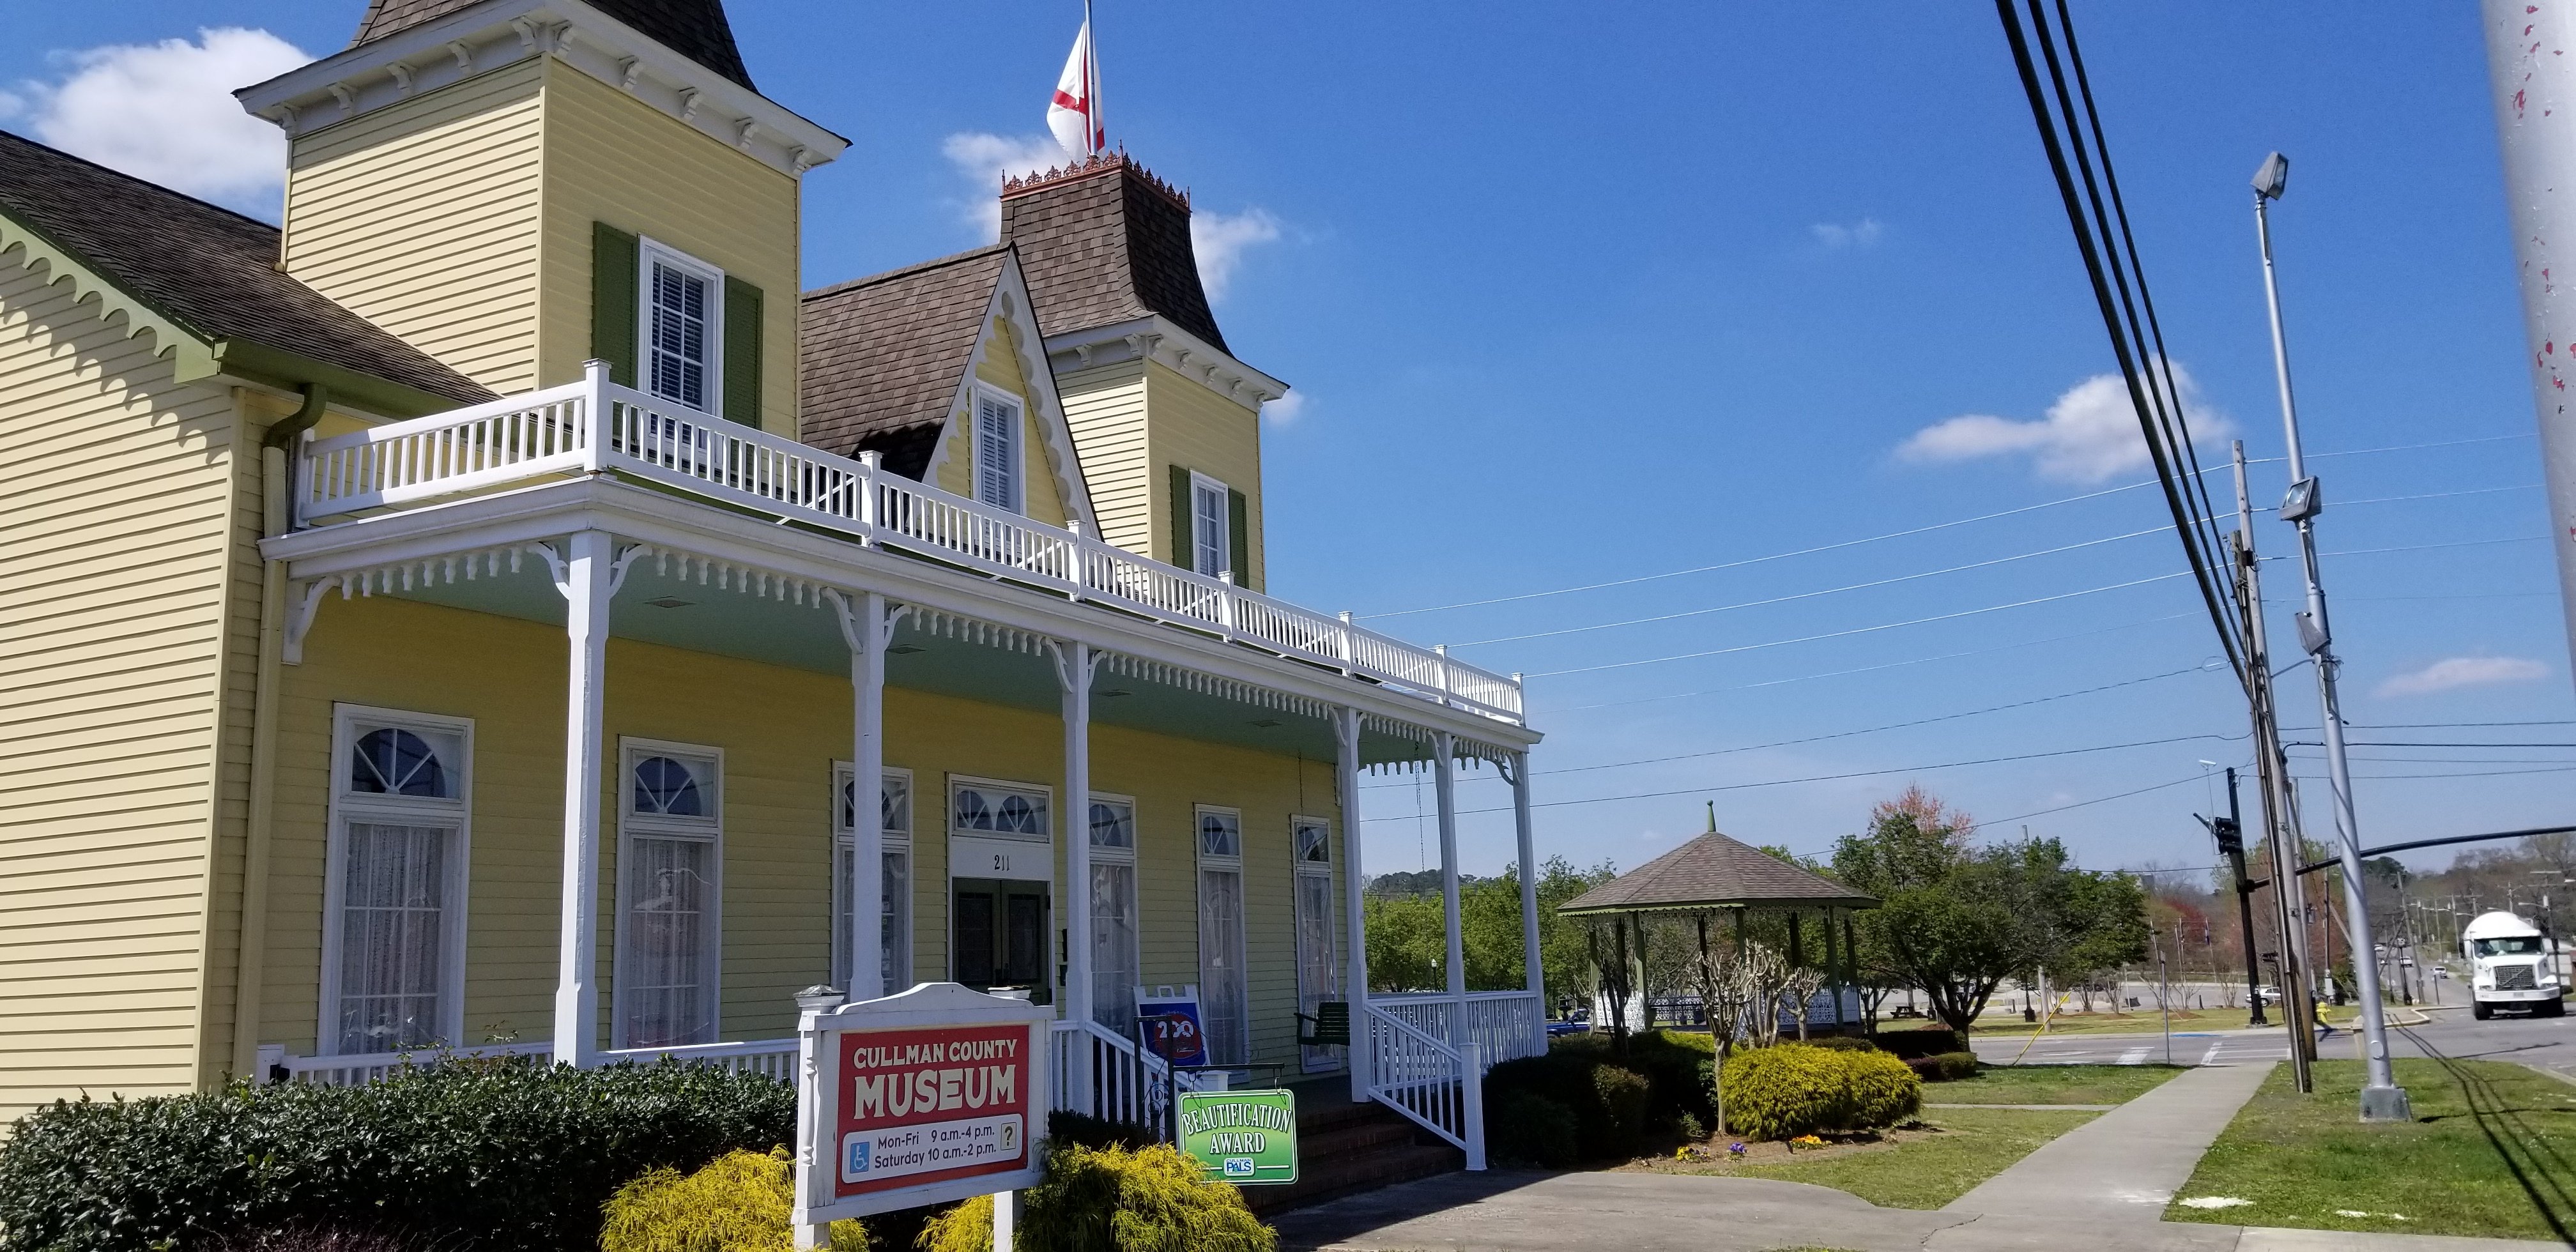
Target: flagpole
[(1099, 136)]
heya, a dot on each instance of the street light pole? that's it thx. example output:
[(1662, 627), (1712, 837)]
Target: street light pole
[(2382, 1100)]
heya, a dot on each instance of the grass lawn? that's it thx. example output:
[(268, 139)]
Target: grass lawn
[(2052, 1084), (2491, 1152), (2138, 1022), (1906, 1169)]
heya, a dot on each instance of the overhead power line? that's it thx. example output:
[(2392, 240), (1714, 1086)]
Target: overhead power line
[(1865, 773), (1810, 595)]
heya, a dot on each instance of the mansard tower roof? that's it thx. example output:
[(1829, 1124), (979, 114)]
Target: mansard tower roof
[(1103, 241), (695, 29)]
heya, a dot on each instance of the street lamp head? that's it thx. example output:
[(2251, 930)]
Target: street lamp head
[(2274, 178)]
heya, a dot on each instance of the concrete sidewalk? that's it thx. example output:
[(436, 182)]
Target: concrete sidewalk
[(1508, 1211), (2125, 1165)]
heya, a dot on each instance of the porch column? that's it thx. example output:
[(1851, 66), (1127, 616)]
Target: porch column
[(864, 629), (586, 579), (1532, 972), (1346, 782), (1075, 662), (1445, 776)]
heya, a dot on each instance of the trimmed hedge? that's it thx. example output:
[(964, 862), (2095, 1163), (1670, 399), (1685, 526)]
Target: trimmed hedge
[(1789, 1090), (1528, 1127), (499, 1156), (1905, 1045), (1842, 1043), (1607, 1102), (1150, 1200), (1944, 1067)]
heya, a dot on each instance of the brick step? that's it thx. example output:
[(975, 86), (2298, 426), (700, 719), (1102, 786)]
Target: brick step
[(1342, 1141), (1321, 1181)]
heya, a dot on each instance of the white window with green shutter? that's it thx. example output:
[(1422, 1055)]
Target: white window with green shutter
[(1211, 531), (675, 326)]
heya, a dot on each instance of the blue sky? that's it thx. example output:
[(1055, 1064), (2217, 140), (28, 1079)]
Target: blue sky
[(1571, 297)]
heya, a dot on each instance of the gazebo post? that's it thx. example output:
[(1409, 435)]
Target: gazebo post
[(1833, 970), (1797, 957), (1645, 989), (1851, 952)]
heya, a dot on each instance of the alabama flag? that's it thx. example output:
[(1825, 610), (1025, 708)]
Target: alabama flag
[(1074, 114)]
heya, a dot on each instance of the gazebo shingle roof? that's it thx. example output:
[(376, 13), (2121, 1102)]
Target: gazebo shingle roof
[(1713, 871)]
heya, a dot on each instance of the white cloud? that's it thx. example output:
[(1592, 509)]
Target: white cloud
[(2090, 433), (2464, 671), (1220, 240), (165, 112), (986, 159), (1286, 408), (1860, 234)]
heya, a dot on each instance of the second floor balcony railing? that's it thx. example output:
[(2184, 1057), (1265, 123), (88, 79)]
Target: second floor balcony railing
[(595, 426)]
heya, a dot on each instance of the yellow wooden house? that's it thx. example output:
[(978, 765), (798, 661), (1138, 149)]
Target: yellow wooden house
[(456, 620)]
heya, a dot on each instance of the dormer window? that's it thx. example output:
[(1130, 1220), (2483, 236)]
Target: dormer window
[(682, 319), (997, 451)]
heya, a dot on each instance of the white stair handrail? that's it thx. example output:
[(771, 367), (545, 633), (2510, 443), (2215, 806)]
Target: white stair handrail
[(1438, 1087)]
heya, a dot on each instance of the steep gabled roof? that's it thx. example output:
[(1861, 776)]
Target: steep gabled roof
[(1103, 241), (1713, 871), (882, 356), (695, 29), (212, 271)]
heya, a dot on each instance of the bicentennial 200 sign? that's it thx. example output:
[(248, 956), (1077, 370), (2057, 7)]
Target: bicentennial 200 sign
[(919, 1098)]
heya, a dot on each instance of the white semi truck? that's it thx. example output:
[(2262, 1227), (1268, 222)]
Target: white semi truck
[(2512, 965)]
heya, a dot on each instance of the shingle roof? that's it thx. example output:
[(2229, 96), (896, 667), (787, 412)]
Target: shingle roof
[(1103, 242), (209, 269), (882, 356), (1714, 871), (695, 29)]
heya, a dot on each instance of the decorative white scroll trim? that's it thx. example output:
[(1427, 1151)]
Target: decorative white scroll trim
[(1210, 684)]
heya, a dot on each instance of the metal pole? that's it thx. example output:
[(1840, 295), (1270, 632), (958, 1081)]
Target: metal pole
[(2291, 978), (2535, 103), (2164, 997), (2382, 1100), (2245, 906)]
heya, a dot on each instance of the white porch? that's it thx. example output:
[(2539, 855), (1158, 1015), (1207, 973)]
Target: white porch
[(599, 484)]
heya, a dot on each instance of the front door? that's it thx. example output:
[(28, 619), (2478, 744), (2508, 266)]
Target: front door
[(999, 935)]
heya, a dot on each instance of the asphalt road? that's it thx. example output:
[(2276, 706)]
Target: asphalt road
[(2546, 1042)]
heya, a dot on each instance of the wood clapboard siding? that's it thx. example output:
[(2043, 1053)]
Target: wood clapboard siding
[(781, 731), (423, 218), (1106, 409), (1192, 426), (111, 668), (612, 158), (1042, 499)]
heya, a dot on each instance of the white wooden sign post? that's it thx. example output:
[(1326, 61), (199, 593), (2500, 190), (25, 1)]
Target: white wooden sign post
[(933, 1095)]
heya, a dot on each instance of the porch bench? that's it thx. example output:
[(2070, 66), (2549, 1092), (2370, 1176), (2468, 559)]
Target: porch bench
[(1332, 1025)]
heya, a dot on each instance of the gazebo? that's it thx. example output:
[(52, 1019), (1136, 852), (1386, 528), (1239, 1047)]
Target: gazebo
[(1715, 874)]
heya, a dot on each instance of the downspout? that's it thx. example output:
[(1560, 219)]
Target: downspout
[(276, 479)]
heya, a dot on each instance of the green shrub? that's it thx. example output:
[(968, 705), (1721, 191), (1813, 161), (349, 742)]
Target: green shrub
[(1567, 1077), (302, 1237), (1792, 1089), (1842, 1043), (1149, 1200), (1529, 1127), (1884, 1090), (1786, 1091), (1905, 1045), (1945, 1066), (966, 1227), (740, 1202), (500, 1156), (1675, 1065)]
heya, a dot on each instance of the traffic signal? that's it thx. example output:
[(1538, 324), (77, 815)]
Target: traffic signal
[(2231, 837)]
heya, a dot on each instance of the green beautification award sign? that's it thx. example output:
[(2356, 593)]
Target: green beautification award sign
[(1241, 1137)]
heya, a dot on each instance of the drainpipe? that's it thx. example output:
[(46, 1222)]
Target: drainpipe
[(276, 476)]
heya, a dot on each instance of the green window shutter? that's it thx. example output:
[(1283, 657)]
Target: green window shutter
[(1240, 536), (741, 352), (612, 301), (1184, 536)]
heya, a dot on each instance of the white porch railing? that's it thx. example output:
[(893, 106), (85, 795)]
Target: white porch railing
[(1502, 1024), (595, 425), (1441, 1088), (1097, 1073), (774, 1058)]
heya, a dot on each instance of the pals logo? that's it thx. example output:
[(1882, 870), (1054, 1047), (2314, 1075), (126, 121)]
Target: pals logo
[(1238, 1167)]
